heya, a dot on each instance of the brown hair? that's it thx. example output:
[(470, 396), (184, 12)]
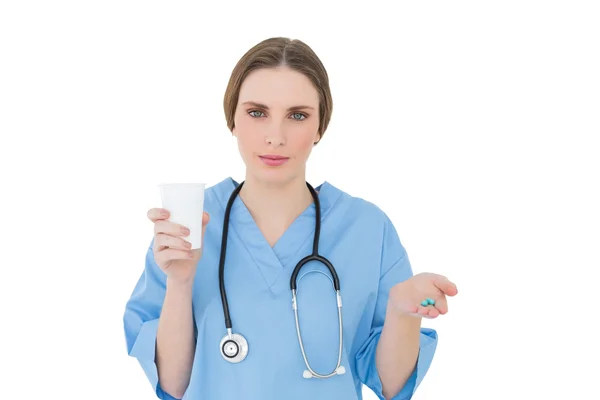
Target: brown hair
[(278, 52)]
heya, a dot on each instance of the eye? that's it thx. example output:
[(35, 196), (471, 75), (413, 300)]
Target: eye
[(298, 116), (253, 113)]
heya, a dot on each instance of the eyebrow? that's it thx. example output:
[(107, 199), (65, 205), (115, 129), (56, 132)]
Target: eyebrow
[(294, 108)]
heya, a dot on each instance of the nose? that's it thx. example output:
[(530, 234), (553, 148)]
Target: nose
[(274, 135), (274, 140)]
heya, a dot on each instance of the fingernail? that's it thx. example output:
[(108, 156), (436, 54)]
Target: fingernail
[(185, 231)]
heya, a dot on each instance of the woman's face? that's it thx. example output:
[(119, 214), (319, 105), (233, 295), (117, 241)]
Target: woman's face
[(276, 124)]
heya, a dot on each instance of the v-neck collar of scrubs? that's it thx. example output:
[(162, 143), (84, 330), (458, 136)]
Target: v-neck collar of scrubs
[(272, 261)]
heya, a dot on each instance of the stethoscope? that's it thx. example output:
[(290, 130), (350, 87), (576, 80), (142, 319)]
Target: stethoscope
[(234, 346)]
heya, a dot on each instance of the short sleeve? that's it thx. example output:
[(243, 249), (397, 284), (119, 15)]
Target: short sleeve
[(141, 317), (395, 268)]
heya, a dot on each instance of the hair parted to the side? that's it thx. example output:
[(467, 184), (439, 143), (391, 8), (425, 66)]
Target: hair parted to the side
[(278, 52)]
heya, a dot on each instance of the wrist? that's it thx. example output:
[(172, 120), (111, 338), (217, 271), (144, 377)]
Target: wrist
[(180, 284)]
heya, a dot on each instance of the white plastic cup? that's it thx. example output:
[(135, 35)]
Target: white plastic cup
[(185, 203)]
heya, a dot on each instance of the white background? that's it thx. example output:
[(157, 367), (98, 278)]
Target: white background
[(474, 125)]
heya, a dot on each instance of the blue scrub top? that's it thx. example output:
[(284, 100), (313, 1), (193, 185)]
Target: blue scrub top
[(362, 244)]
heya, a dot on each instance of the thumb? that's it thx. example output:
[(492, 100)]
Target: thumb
[(205, 220), (444, 284), (198, 252)]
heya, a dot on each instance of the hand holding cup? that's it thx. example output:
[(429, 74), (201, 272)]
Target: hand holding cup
[(179, 227), (172, 252)]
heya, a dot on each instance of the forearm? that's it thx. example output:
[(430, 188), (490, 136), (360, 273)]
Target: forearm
[(397, 350), (175, 342)]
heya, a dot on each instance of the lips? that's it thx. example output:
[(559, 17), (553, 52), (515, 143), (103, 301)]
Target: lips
[(273, 157), (273, 160)]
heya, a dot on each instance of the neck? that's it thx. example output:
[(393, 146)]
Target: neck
[(283, 202)]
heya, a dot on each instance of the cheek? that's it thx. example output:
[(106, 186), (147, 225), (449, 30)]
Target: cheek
[(247, 134), (308, 141), (304, 138), (248, 144)]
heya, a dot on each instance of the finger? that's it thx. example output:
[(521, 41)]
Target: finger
[(432, 312), (441, 304), (423, 311), (166, 255), (163, 241), (447, 287), (156, 214), (196, 253), (426, 312), (170, 228)]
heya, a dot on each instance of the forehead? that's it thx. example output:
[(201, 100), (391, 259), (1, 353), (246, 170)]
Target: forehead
[(280, 87)]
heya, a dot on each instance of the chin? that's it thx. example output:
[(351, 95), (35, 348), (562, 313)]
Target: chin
[(275, 176)]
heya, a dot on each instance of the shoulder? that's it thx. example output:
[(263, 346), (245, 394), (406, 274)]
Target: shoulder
[(213, 190), (216, 196), (363, 220), (361, 208)]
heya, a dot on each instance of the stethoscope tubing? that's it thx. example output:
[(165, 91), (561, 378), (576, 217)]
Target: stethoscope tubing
[(240, 342)]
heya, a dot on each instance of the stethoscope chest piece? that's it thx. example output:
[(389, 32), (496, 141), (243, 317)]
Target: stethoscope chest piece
[(234, 347)]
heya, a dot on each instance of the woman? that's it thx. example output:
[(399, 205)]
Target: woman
[(278, 105)]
